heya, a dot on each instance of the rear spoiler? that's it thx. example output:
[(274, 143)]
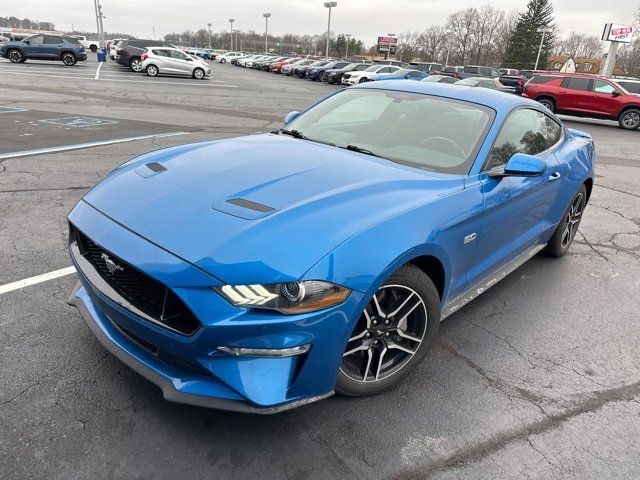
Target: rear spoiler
[(579, 133)]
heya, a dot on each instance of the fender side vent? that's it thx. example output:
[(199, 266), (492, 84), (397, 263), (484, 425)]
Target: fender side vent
[(156, 167), (258, 207)]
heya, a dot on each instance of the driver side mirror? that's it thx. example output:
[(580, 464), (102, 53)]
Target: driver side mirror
[(521, 165), (291, 116), (189, 59), (27, 42), (616, 93)]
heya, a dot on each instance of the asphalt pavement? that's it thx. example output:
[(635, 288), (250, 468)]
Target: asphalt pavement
[(538, 378)]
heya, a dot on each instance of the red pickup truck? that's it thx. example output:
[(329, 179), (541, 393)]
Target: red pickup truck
[(585, 96)]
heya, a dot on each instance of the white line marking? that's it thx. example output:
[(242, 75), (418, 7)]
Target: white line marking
[(9, 287), (12, 110), (98, 71), (64, 148), (191, 83)]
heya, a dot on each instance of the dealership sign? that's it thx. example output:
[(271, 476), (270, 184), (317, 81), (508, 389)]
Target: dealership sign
[(614, 32), (387, 45)]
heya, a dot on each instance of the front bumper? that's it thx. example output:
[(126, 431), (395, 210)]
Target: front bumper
[(191, 369)]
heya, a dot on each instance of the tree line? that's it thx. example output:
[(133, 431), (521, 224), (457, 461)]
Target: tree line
[(15, 22)]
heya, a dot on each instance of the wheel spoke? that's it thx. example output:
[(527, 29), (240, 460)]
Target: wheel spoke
[(407, 336), (384, 350), (359, 348), (366, 369), (401, 324), (377, 305), (395, 312), (397, 346)]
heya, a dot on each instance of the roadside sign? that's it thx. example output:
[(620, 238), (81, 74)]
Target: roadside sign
[(614, 32)]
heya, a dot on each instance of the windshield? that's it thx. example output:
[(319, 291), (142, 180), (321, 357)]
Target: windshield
[(470, 82), (433, 133)]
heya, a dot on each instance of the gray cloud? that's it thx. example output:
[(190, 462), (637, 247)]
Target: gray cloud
[(365, 19)]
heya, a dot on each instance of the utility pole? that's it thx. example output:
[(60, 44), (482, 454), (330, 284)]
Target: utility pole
[(231, 20), (154, 31), (542, 31), (266, 31), (329, 5), (346, 53), (209, 25), (99, 17)]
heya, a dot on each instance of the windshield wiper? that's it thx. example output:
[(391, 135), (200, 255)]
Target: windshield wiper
[(294, 133), (356, 148)]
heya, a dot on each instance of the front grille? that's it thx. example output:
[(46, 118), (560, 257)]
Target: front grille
[(144, 293)]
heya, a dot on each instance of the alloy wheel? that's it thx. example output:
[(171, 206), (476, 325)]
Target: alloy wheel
[(387, 335), (15, 56), (572, 220), (198, 73), (68, 59), (631, 120), (152, 70), (136, 65)]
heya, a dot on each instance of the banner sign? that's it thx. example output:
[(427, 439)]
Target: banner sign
[(614, 32)]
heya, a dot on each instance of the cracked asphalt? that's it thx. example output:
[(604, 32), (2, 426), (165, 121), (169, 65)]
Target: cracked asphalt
[(538, 378)]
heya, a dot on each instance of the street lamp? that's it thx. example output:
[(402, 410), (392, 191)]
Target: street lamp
[(542, 31), (329, 5), (266, 31), (209, 25), (231, 20), (346, 53)]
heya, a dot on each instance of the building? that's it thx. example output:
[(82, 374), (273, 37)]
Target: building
[(568, 64)]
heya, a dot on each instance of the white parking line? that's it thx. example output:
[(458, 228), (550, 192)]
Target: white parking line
[(187, 82), (64, 148), (9, 287), (98, 71)]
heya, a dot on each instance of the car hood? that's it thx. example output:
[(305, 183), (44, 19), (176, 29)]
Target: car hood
[(262, 208)]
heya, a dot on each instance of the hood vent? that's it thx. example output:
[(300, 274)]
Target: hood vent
[(150, 169), (243, 208)]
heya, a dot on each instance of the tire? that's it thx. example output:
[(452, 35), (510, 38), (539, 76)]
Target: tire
[(376, 337), (152, 70), (223, 60), (93, 48), (548, 103), (135, 64), (69, 59), (198, 73), (363, 80), (630, 119), (15, 56), (566, 231)]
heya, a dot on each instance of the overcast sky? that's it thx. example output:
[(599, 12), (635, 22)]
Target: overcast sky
[(365, 19)]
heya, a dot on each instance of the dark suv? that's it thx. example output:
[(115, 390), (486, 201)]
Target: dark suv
[(585, 96), (44, 47), (129, 52)]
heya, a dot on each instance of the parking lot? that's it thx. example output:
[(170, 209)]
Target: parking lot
[(539, 378)]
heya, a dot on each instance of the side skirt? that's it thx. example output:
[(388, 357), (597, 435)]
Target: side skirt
[(484, 285)]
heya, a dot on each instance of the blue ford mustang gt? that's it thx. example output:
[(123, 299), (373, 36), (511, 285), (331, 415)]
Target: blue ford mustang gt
[(264, 272)]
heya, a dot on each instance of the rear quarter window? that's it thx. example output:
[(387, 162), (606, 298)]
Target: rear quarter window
[(543, 79)]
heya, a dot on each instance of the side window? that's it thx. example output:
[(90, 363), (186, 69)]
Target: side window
[(524, 131), (178, 55), (52, 40), (603, 87), (495, 73), (577, 83), (487, 84), (38, 40), (413, 74)]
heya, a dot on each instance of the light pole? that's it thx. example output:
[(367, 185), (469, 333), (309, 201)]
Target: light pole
[(209, 25), (346, 53), (266, 31), (542, 31), (231, 20), (329, 5)]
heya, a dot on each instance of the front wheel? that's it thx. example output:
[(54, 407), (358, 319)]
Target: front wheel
[(15, 56), (548, 103), (363, 80), (198, 74), (223, 60), (69, 59), (152, 70), (395, 331), (568, 227), (630, 119)]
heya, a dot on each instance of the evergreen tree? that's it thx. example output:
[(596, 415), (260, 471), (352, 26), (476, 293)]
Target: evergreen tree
[(524, 41)]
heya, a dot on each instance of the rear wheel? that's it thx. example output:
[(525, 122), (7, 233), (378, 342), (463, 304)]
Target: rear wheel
[(15, 56), (568, 226), (69, 59), (198, 73), (395, 331), (630, 119), (223, 60), (135, 64), (152, 70), (548, 103), (363, 80)]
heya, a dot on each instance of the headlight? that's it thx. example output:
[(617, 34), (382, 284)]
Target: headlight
[(288, 298)]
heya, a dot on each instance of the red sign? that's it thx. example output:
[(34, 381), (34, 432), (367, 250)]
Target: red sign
[(387, 41), (621, 31)]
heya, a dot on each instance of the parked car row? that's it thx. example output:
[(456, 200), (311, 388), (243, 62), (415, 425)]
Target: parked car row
[(65, 48)]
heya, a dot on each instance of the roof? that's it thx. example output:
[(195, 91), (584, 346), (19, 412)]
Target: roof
[(484, 96)]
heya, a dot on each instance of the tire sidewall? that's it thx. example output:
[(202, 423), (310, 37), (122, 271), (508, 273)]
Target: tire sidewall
[(547, 103), (414, 278), (135, 61), (152, 68), (19, 56), (68, 55), (195, 73), (554, 247), (624, 114)]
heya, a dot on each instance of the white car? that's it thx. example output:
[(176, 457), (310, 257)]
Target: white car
[(88, 44), (227, 57), (113, 47), (242, 60), (165, 60), (371, 73)]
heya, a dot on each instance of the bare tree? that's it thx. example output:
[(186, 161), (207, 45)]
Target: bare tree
[(410, 44), (460, 27), (433, 43), (580, 45), (485, 31)]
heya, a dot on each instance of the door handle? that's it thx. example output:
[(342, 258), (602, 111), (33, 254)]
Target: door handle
[(554, 176)]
